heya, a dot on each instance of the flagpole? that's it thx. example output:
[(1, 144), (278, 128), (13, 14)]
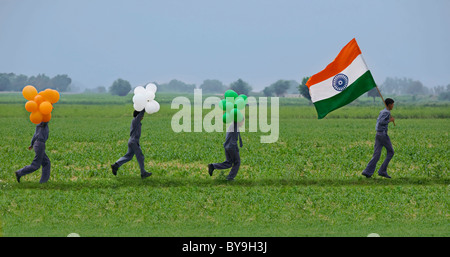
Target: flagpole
[(383, 100)]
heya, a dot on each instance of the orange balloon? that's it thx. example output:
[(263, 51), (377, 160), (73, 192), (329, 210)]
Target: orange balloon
[(53, 96), (46, 118), (31, 106), (56, 95), (29, 92), (36, 117), (39, 99), (48, 91), (45, 107), (44, 94)]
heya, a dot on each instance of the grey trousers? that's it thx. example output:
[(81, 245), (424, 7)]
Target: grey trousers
[(381, 140), (40, 159), (133, 149), (233, 161)]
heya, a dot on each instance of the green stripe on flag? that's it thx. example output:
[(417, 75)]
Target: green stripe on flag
[(355, 90)]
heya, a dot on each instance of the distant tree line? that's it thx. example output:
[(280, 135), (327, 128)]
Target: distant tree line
[(213, 86), (280, 88), (209, 86), (14, 82), (407, 86)]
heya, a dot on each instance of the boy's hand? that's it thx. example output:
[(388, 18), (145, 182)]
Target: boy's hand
[(391, 119), (30, 147)]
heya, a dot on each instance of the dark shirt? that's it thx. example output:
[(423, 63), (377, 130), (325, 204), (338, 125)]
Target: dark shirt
[(41, 133), (135, 129), (232, 136)]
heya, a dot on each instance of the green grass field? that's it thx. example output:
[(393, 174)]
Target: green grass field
[(306, 184)]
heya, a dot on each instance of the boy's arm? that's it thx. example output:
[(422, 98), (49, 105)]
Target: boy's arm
[(141, 114), (138, 118), (32, 141)]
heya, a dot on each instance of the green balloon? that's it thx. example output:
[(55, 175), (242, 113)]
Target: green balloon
[(230, 106), (226, 106), (226, 118), (223, 104), (230, 94), (239, 103), (237, 115), (243, 97)]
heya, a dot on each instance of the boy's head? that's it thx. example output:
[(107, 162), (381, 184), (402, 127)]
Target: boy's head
[(389, 103)]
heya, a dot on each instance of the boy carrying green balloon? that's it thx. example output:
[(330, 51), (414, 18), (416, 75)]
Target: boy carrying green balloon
[(233, 159)]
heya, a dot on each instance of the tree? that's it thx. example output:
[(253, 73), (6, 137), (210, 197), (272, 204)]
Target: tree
[(404, 86), (373, 93), (212, 86), (5, 84), (61, 82), (241, 87), (445, 94), (303, 89), (416, 87), (13, 82), (40, 82), (280, 87), (268, 91), (176, 86), (293, 87), (120, 87), (18, 82)]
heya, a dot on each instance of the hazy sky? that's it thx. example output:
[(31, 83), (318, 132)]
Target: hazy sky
[(95, 42)]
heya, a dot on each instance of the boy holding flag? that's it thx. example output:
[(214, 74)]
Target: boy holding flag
[(382, 140)]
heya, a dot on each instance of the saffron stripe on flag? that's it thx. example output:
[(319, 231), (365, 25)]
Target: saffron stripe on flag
[(342, 61)]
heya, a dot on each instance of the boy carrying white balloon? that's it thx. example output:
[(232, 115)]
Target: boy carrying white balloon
[(143, 100)]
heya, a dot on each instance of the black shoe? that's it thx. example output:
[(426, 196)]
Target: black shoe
[(367, 176), (385, 175), (145, 174), (114, 169), (17, 176), (210, 169)]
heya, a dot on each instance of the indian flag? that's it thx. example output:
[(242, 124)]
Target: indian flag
[(341, 82)]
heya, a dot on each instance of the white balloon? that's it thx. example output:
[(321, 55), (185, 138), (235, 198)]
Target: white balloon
[(151, 87), (139, 90), (149, 95), (152, 107), (149, 108), (139, 99), (157, 106), (138, 107), (139, 102)]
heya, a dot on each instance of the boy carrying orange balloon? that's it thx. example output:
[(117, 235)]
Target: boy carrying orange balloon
[(40, 106)]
